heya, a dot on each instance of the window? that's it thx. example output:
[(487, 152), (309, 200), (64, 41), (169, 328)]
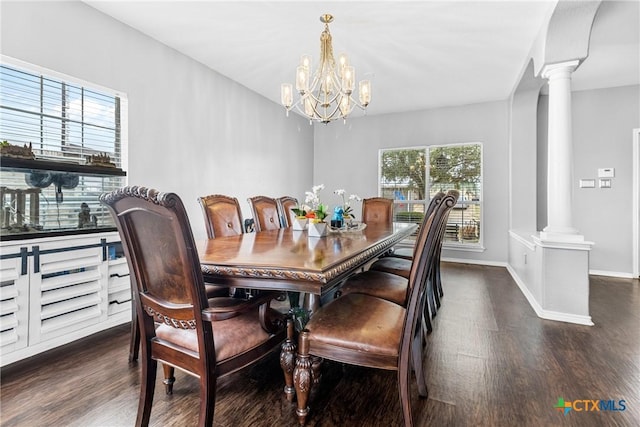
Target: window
[(411, 176), (66, 121)]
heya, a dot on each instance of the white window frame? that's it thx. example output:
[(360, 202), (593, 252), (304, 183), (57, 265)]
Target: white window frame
[(476, 246)]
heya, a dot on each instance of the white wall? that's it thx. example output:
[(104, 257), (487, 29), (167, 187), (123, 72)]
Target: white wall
[(346, 156), (602, 134), (603, 121), (522, 152), (191, 130)]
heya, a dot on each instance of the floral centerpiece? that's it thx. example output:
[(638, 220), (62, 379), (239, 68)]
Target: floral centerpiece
[(301, 220), (317, 212), (347, 209)]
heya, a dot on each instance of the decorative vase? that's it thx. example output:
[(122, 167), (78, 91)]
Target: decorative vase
[(318, 229), (300, 223)]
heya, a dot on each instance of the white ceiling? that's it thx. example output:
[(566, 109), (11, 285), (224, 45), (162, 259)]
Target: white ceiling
[(417, 54)]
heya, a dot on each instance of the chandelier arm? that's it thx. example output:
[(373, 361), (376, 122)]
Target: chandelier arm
[(317, 116), (357, 104)]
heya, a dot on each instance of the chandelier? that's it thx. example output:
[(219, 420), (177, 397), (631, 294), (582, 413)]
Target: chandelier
[(326, 94)]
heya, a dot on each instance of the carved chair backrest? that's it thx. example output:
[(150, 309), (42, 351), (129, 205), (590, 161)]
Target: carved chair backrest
[(427, 247), (433, 204), (222, 215), (285, 204), (265, 213), (377, 210), (443, 225), (165, 269)]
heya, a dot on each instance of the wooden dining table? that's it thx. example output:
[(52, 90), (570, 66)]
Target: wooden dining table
[(290, 260)]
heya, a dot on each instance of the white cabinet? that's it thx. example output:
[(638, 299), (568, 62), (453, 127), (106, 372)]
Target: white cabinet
[(14, 301), (56, 290)]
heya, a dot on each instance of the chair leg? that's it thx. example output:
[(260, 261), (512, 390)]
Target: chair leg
[(302, 377), (416, 352), (287, 361), (207, 399), (434, 287), (426, 325), (438, 279), (427, 328), (404, 373), (134, 343), (147, 387), (431, 298), (434, 304), (169, 378)]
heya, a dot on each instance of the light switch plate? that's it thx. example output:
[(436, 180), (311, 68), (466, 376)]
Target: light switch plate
[(606, 172), (587, 183)]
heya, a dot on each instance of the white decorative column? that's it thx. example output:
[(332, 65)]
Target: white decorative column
[(561, 253), (560, 155)]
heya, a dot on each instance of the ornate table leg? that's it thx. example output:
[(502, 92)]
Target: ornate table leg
[(302, 377), (311, 302), (287, 361)]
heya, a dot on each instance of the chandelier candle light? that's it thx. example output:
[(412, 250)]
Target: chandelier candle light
[(327, 94)]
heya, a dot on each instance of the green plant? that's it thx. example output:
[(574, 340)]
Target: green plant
[(299, 211)]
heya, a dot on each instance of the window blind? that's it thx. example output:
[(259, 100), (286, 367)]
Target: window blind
[(62, 121), (66, 122)]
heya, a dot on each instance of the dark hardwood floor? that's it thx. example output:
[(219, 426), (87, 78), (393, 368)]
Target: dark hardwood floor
[(490, 362)]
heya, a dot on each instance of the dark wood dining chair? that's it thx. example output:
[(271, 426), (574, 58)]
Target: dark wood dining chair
[(222, 215), (265, 213), (402, 266), (180, 326), (365, 330), (393, 284), (377, 210), (285, 204), (408, 252)]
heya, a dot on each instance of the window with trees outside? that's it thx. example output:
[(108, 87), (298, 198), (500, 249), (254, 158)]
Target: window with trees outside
[(411, 176)]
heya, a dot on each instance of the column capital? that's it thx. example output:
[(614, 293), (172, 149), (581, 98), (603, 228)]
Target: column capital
[(559, 68)]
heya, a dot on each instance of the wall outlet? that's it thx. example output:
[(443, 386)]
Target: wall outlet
[(605, 183)]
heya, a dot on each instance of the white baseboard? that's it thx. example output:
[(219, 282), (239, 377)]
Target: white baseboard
[(547, 314), (611, 274), (525, 291), (475, 262), (566, 317)]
